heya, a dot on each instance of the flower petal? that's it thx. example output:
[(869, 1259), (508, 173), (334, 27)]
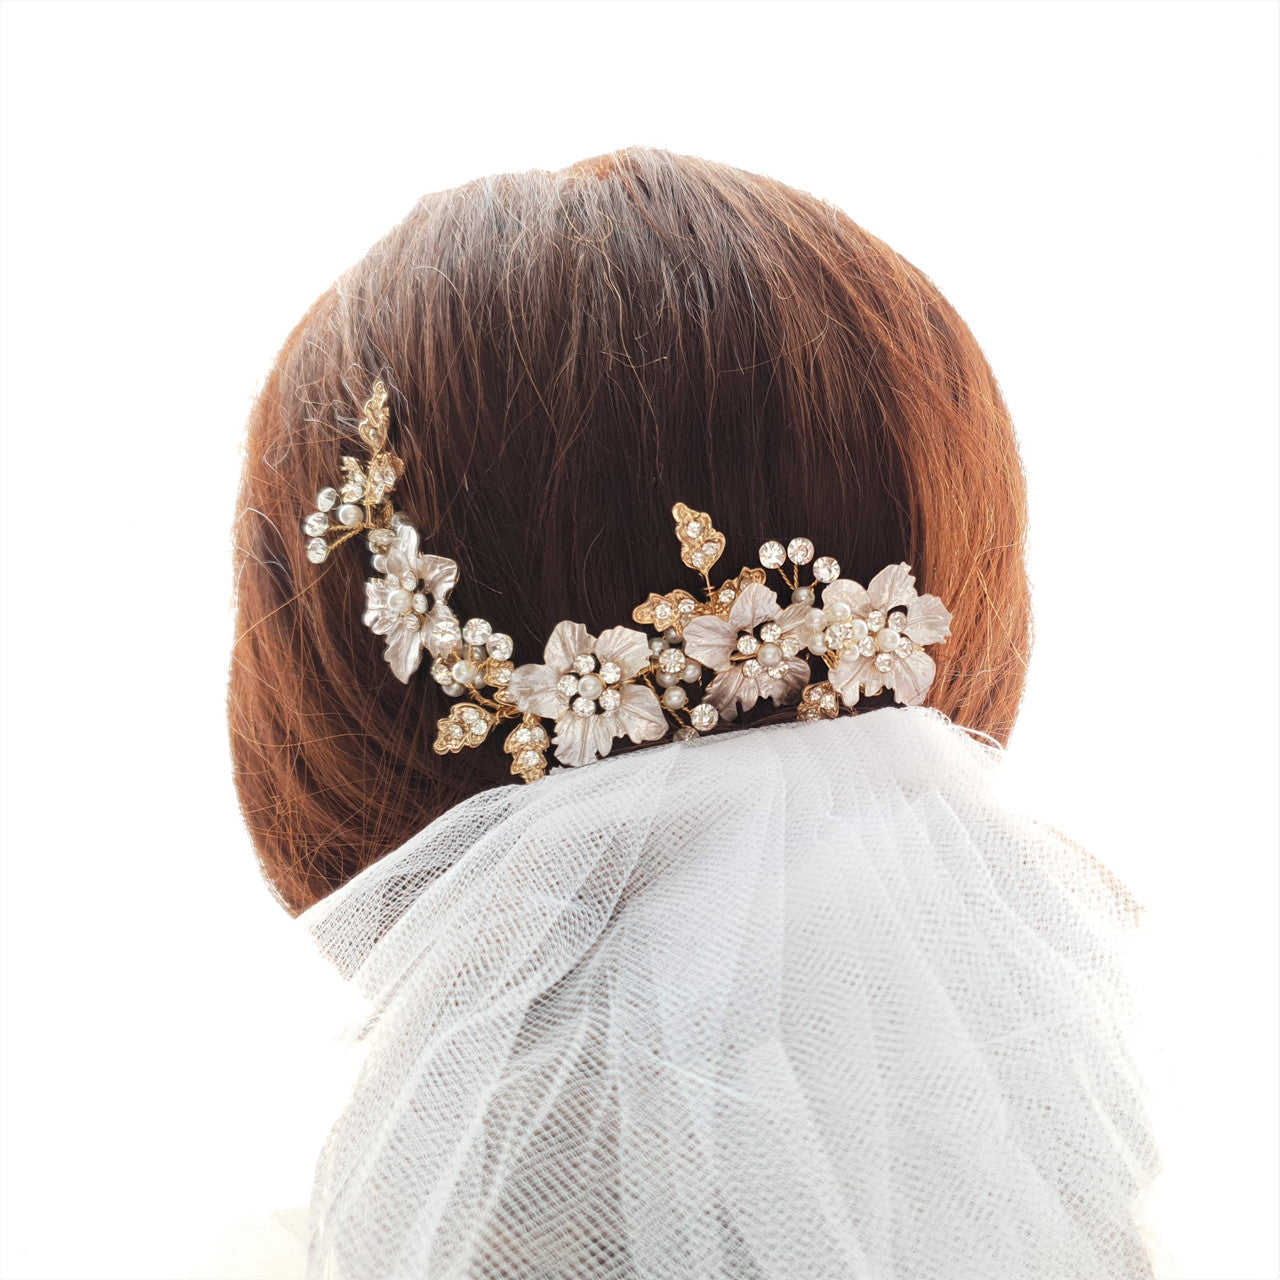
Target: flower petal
[(402, 555), (626, 646), (928, 620), (786, 687), (710, 641), (847, 675), (795, 617), (439, 575), (729, 688), (910, 678), (568, 640), (755, 604), (639, 715), (893, 585), (846, 591), (579, 739), (534, 688), (404, 649), (376, 614)]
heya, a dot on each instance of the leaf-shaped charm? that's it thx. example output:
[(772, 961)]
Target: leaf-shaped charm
[(354, 486), (466, 725), (377, 418), (672, 610), (726, 593), (701, 544), (527, 745)]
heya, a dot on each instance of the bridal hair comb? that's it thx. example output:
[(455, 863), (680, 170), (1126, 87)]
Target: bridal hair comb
[(624, 683)]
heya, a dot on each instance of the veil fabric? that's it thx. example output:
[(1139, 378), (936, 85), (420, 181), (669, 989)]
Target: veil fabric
[(803, 1000)]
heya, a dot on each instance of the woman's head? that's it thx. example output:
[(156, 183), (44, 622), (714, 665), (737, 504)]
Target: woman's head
[(567, 355)]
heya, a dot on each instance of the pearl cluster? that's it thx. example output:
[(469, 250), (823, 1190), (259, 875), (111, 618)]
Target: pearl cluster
[(837, 631), (768, 648), (591, 689), (675, 670), (482, 660)]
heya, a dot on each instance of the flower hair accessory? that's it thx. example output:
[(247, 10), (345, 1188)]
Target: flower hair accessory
[(736, 638)]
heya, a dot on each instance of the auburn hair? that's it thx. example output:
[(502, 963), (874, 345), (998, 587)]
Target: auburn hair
[(567, 355)]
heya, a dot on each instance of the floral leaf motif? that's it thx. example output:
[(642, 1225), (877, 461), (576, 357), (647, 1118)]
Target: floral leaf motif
[(496, 672), (376, 419), (354, 486), (527, 745), (727, 592), (466, 725), (819, 702), (672, 610), (701, 544)]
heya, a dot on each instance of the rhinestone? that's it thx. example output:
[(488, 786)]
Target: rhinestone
[(699, 559), (349, 514), (446, 635), (884, 662), (529, 760), (897, 619), (751, 669), (476, 631), (704, 717), (694, 528), (315, 524), (747, 643), (522, 737), (875, 620), (610, 672), (501, 645), (317, 549), (770, 633), (836, 635), (866, 646), (799, 550), (662, 612), (791, 644), (381, 539), (353, 490), (826, 568), (684, 733), (828, 700), (326, 498), (457, 731), (539, 735), (728, 595), (568, 685), (500, 677), (583, 707), (688, 606), (379, 562), (610, 700), (711, 550), (778, 672), (419, 602), (584, 664), (671, 660), (467, 713), (773, 555), (441, 671)]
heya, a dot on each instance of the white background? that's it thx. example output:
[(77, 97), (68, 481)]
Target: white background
[(1093, 185)]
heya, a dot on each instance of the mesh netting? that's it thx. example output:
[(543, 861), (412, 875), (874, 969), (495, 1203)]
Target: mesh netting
[(796, 1001)]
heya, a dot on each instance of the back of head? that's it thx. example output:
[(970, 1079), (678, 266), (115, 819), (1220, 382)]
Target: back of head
[(567, 354)]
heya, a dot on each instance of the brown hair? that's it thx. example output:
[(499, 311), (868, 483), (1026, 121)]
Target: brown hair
[(567, 355)]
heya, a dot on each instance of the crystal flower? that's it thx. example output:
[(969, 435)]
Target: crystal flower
[(877, 633), (412, 617), (588, 686), (754, 650)]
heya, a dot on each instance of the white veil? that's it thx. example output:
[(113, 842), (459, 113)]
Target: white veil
[(796, 1001)]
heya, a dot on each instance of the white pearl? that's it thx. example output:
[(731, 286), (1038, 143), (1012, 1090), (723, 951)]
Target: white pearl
[(349, 514), (379, 562), (691, 673), (400, 601), (669, 679), (453, 690), (591, 686), (887, 640), (839, 610), (674, 698), (802, 595), (769, 655), (671, 635), (465, 672), (858, 629), (657, 644)]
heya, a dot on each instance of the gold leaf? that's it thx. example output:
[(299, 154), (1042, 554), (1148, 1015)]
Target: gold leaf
[(466, 725), (701, 544), (819, 702), (727, 592), (672, 610), (527, 745), (376, 420)]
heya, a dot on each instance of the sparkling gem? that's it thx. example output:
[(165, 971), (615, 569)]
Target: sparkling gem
[(353, 490), (747, 643), (694, 528), (583, 664), (317, 549), (419, 602), (884, 661), (866, 646), (590, 686), (887, 640), (826, 568), (687, 606), (441, 672), (539, 735), (522, 737), (799, 550), (897, 619), (467, 713), (751, 669), (828, 701), (791, 644), (457, 731), (727, 595), (610, 700), (315, 524), (684, 733), (711, 550), (500, 676), (662, 611), (583, 707), (381, 538), (674, 698), (349, 514), (836, 635), (501, 645), (704, 717), (529, 760), (671, 660), (770, 632), (476, 631), (773, 555), (568, 685), (699, 559), (610, 672), (875, 620), (326, 499)]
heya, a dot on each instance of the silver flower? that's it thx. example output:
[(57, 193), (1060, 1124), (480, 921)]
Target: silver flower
[(410, 615), (878, 631), (588, 686), (754, 650)]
